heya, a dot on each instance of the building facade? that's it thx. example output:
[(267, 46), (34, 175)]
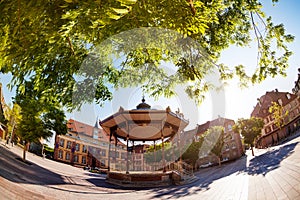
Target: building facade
[(271, 134), (3, 121), (232, 149), (296, 89), (84, 145)]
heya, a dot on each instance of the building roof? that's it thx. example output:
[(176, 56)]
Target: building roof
[(220, 121), (85, 129), (143, 123), (296, 89), (185, 136), (264, 102)]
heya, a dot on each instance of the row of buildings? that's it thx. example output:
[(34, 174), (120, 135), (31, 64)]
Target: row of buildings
[(86, 145)]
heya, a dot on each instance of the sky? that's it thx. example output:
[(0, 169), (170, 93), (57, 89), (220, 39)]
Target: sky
[(232, 103)]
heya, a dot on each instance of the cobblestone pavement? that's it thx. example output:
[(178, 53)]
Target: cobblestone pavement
[(272, 173)]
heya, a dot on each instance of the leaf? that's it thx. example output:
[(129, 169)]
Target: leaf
[(120, 11), (127, 2)]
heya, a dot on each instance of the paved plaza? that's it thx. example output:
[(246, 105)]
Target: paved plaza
[(272, 173)]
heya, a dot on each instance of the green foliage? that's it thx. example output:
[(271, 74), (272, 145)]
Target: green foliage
[(191, 155), (155, 154), (48, 149), (278, 114), (46, 42), (214, 137), (250, 129), (14, 117), (40, 117)]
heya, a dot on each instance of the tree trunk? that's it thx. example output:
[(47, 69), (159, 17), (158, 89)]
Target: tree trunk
[(252, 150), (24, 151), (219, 159)]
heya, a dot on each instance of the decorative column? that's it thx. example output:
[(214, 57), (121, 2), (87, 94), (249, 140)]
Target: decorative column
[(163, 146), (133, 155), (154, 155), (127, 155), (179, 141), (109, 146), (163, 153), (115, 157)]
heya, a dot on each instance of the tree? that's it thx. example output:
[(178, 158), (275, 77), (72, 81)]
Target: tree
[(154, 153), (40, 117), (279, 114), (191, 154), (46, 42), (214, 138), (250, 130), (14, 117)]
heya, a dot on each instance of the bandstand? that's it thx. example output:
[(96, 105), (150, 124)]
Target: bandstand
[(139, 127)]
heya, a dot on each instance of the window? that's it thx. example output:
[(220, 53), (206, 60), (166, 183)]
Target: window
[(83, 161), (69, 145), (102, 163), (292, 114), (266, 120), (77, 147), (68, 156), (76, 158), (226, 147), (95, 135), (60, 154), (103, 152), (288, 96), (233, 146), (61, 142), (117, 154), (84, 149), (229, 127), (123, 155)]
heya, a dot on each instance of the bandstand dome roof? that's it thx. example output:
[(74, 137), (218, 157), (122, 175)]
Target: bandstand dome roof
[(144, 123)]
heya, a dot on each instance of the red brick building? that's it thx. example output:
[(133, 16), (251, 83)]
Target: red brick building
[(271, 134), (3, 105), (233, 148), (296, 89)]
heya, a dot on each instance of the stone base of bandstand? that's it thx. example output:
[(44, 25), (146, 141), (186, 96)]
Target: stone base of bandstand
[(140, 179)]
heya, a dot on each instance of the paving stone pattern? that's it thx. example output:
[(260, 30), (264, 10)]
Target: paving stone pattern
[(273, 173)]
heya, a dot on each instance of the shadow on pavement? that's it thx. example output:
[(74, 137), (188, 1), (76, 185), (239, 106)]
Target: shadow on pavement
[(271, 160), (14, 169), (206, 178)]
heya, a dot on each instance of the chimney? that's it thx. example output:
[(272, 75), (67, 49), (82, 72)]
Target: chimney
[(276, 90), (258, 101)]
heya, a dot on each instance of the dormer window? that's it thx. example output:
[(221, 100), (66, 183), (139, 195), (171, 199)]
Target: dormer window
[(264, 111), (288, 96), (280, 102)]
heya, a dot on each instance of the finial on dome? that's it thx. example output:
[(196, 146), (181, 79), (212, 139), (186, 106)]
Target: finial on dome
[(143, 105)]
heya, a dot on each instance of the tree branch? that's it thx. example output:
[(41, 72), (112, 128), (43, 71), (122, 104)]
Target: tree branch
[(191, 3), (71, 46)]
